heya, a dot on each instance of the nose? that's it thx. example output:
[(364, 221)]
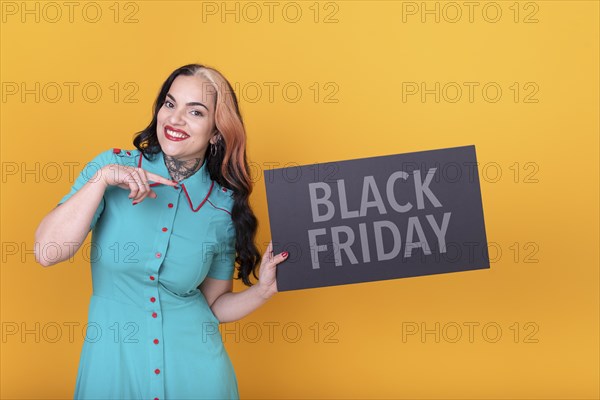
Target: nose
[(175, 117)]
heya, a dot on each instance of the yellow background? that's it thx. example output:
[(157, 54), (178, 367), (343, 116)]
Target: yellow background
[(545, 203)]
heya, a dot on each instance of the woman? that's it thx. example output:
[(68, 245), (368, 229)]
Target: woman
[(164, 248)]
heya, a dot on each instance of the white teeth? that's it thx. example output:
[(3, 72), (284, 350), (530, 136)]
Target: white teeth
[(176, 134)]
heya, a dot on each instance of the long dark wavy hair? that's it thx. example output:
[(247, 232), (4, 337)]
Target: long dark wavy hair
[(228, 166)]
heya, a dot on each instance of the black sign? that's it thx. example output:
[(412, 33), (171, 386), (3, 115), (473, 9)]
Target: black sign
[(377, 218)]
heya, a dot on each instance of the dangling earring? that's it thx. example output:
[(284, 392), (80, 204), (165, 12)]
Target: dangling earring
[(213, 148)]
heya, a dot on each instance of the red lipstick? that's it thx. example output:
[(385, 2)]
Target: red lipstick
[(181, 135)]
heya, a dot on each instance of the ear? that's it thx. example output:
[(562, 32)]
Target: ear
[(214, 138)]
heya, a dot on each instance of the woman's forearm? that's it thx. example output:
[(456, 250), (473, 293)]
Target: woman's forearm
[(231, 306), (62, 231)]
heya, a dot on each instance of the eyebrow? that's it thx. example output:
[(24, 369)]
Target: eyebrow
[(193, 103)]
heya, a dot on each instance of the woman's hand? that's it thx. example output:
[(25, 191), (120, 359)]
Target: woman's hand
[(132, 178), (266, 275)]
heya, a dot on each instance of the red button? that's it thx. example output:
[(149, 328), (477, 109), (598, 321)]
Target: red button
[(116, 150), (164, 229), (158, 255), (170, 205), (224, 189), (128, 153), (151, 277), (156, 398), (155, 341), (175, 187), (154, 315), (157, 371), (152, 299)]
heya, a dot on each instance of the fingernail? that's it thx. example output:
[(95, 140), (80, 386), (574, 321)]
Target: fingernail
[(134, 203), (284, 254)]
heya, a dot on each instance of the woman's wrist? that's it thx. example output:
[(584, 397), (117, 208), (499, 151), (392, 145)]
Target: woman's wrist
[(99, 178), (264, 292)]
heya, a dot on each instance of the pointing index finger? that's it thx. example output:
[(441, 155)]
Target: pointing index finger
[(160, 179)]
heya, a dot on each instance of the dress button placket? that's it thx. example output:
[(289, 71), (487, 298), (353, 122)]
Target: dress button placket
[(164, 227), (155, 333), (152, 298)]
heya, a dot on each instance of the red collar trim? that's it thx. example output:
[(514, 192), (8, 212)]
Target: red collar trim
[(212, 184)]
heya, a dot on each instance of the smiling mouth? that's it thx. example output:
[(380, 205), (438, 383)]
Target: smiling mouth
[(175, 135)]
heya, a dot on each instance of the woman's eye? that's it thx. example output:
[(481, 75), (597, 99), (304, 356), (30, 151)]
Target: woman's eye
[(168, 104), (196, 113)]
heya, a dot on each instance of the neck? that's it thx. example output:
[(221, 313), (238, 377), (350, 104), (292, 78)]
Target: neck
[(179, 169)]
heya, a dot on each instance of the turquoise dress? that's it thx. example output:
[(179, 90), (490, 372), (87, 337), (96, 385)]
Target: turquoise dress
[(150, 332)]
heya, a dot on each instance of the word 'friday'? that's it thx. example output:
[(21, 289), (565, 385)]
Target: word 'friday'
[(370, 190)]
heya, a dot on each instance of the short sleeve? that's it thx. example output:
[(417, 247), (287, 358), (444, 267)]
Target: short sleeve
[(223, 263), (88, 172)]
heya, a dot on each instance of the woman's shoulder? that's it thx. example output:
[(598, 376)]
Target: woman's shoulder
[(116, 155), (125, 155), (221, 198)]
